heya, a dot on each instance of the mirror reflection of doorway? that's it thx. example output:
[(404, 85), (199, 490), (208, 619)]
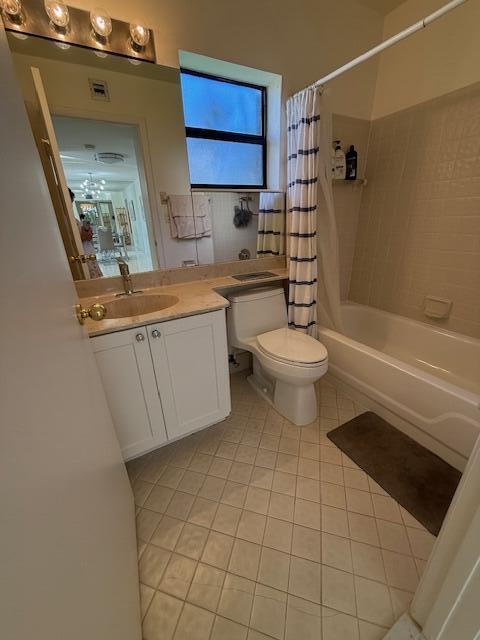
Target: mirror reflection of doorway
[(103, 168)]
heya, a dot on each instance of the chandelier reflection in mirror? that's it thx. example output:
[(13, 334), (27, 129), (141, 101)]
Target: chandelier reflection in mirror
[(92, 189), (66, 25)]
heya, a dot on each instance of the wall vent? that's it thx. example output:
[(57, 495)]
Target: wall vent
[(99, 90)]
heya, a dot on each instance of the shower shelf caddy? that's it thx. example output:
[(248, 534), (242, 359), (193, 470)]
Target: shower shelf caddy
[(361, 182)]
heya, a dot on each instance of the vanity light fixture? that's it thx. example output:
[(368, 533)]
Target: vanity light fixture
[(101, 24), (139, 36), (58, 14), (13, 10), (65, 25)]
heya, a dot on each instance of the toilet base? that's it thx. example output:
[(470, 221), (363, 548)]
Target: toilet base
[(297, 404), (258, 385)]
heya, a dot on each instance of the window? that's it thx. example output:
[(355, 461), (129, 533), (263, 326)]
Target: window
[(225, 128)]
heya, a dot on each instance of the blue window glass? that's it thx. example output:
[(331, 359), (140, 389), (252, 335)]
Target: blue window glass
[(224, 163), (225, 127), (221, 106)]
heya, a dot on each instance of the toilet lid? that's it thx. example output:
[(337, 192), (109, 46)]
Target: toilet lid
[(292, 346)]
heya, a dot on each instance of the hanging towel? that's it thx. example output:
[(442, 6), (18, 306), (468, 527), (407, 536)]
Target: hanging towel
[(271, 225), (201, 214), (189, 216)]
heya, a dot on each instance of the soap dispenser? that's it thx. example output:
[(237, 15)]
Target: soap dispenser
[(340, 162)]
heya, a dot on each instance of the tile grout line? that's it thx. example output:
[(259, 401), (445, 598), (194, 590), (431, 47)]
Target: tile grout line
[(315, 439), (349, 537), (228, 570)]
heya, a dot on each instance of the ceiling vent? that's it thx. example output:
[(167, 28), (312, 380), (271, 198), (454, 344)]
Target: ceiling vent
[(99, 90), (107, 157)]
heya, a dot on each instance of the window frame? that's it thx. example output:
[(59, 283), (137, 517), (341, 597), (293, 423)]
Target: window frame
[(229, 136)]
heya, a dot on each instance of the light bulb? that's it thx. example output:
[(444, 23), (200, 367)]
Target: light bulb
[(62, 45), (58, 13), (140, 35), (13, 8), (101, 54), (101, 22)]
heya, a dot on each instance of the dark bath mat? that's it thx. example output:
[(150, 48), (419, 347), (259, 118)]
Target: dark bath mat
[(417, 478)]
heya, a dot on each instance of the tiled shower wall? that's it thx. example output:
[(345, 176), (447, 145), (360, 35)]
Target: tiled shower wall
[(419, 221), (347, 195), (229, 240)]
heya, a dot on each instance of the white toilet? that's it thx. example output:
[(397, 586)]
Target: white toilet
[(286, 363)]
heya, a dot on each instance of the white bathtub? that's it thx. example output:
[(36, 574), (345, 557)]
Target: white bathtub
[(424, 380)]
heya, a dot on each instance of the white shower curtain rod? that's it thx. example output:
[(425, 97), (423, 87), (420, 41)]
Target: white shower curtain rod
[(421, 24)]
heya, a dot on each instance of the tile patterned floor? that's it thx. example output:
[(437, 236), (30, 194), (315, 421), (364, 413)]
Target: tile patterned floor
[(256, 529)]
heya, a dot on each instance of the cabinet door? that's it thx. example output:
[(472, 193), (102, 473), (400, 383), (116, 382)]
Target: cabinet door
[(126, 370), (190, 358)]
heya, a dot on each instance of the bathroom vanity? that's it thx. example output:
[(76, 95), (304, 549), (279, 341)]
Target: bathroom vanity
[(165, 380), (165, 372)]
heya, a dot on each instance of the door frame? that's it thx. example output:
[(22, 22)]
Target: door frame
[(54, 173), (453, 568), (151, 201)]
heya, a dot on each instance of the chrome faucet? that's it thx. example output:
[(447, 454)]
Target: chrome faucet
[(127, 278)]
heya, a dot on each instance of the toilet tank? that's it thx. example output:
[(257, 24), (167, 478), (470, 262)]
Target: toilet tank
[(253, 312)]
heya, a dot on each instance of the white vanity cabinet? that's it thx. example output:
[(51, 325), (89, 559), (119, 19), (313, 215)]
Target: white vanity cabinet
[(126, 370), (190, 358), (165, 380)]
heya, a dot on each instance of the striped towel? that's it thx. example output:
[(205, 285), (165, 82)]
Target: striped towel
[(271, 225)]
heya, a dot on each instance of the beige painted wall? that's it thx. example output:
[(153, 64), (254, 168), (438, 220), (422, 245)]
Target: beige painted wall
[(301, 41), (442, 58)]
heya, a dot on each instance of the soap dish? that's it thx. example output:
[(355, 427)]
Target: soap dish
[(439, 308), (243, 277)]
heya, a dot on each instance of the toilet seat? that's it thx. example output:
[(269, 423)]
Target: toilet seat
[(292, 347)]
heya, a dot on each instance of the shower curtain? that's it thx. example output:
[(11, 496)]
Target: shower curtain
[(271, 225), (314, 283)]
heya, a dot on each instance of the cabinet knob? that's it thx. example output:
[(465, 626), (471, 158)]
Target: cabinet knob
[(139, 337), (156, 333)]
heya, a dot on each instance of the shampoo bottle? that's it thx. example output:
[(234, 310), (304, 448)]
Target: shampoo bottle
[(351, 160), (340, 162)]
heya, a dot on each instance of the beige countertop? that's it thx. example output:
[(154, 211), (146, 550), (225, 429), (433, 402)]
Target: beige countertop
[(197, 296)]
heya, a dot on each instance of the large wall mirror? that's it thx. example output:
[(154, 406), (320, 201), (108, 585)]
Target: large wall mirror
[(113, 143)]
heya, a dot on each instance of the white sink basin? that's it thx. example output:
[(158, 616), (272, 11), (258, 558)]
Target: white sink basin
[(138, 305)]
